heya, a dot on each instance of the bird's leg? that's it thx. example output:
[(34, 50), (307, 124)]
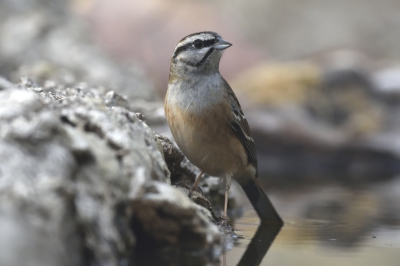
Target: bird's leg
[(224, 219), (227, 181), (196, 183), (226, 204)]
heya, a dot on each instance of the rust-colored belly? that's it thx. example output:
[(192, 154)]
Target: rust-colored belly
[(210, 145)]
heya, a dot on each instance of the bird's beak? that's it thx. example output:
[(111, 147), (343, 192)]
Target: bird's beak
[(221, 44)]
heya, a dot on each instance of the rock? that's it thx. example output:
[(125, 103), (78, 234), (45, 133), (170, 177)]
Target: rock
[(182, 171), (84, 177), (170, 218), (277, 84), (387, 83), (310, 122), (347, 101)]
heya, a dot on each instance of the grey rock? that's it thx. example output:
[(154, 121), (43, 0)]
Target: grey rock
[(74, 175)]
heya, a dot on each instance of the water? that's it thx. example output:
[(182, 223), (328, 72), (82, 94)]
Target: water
[(329, 224)]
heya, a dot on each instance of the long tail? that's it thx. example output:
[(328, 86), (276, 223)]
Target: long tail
[(261, 203)]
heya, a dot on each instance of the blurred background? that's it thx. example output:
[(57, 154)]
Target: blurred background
[(319, 82)]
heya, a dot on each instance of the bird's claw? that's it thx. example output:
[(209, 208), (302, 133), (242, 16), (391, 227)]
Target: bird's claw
[(197, 189), (184, 185), (191, 189), (223, 221)]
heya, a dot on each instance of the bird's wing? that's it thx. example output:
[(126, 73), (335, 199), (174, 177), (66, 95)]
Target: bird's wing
[(241, 128)]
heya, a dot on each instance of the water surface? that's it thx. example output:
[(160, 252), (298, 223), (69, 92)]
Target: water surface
[(330, 224)]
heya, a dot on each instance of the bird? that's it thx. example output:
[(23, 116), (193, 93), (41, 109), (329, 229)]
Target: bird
[(207, 121)]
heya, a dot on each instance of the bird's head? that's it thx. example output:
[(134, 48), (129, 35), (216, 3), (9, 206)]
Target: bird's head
[(199, 51)]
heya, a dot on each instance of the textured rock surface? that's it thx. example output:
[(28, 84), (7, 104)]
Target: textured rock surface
[(75, 172)]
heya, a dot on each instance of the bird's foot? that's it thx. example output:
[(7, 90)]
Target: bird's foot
[(197, 189), (191, 189), (183, 185), (223, 221)]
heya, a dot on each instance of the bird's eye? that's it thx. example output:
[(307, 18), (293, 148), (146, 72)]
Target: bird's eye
[(198, 44)]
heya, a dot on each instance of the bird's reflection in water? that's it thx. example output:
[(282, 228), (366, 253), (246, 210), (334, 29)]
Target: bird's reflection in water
[(259, 245)]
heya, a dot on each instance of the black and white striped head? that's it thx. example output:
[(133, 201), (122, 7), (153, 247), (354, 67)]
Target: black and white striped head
[(201, 50)]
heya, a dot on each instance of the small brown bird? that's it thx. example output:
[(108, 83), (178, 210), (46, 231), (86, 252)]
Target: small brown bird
[(207, 121)]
